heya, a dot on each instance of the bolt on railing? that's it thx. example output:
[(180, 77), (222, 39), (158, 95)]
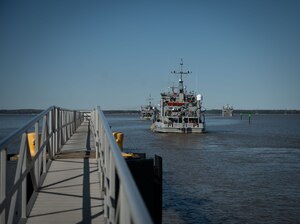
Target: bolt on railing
[(55, 126), (122, 200)]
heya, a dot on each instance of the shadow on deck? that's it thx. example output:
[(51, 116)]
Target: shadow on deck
[(71, 191)]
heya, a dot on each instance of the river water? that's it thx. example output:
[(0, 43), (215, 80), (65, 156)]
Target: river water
[(234, 173)]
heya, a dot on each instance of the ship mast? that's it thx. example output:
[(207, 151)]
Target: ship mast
[(181, 88), (149, 99)]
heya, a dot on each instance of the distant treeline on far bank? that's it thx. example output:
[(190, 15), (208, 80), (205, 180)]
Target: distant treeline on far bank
[(216, 111), (209, 112), (21, 111)]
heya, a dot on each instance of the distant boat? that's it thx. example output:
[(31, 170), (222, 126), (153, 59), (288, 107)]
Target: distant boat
[(147, 111), (180, 111), (227, 111)]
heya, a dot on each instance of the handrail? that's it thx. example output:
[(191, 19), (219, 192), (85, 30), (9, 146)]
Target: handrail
[(123, 202), (55, 126), (10, 138)]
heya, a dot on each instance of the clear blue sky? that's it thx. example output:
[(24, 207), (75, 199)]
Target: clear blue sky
[(79, 54)]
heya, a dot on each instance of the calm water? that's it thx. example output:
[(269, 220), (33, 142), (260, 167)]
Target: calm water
[(234, 173), (10, 123)]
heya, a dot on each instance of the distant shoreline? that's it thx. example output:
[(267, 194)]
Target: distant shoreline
[(240, 111), (212, 112), (215, 112), (21, 111)]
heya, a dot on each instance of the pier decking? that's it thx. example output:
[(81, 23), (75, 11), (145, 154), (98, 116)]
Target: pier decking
[(71, 191)]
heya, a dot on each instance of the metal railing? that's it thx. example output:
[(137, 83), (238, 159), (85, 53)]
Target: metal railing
[(122, 200), (54, 126)]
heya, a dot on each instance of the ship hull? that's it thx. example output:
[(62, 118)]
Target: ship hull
[(163, 128), (227, 113), (146, 118)]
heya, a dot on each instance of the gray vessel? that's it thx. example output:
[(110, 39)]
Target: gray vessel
[(180, 111), (227, 111), (147, 111)]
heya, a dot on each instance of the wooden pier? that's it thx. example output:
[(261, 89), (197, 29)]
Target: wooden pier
[(71, 191)]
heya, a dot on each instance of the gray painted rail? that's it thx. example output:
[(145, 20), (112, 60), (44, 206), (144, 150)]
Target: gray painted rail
[(68, 185), (122, 200), (55, 126)]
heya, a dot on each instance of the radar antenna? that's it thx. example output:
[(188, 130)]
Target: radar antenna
[(181, 72)]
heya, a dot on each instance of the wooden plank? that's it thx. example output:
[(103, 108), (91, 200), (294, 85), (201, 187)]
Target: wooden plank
[(71, 191)]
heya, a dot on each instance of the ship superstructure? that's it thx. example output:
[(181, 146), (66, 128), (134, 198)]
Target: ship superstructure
[(147, 111), (227, 111), (180, 111)]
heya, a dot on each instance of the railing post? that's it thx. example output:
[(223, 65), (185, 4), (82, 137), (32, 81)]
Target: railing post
[(60, 129), (68, 125), (106, 179), (22, 153), (50, 130), (102, 155), (124, 211), (74, 121), (3, 155), (24, 182), (71, 122), (112, 188), (63, 127), (36, 147), (56, 131), (96, 119)]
